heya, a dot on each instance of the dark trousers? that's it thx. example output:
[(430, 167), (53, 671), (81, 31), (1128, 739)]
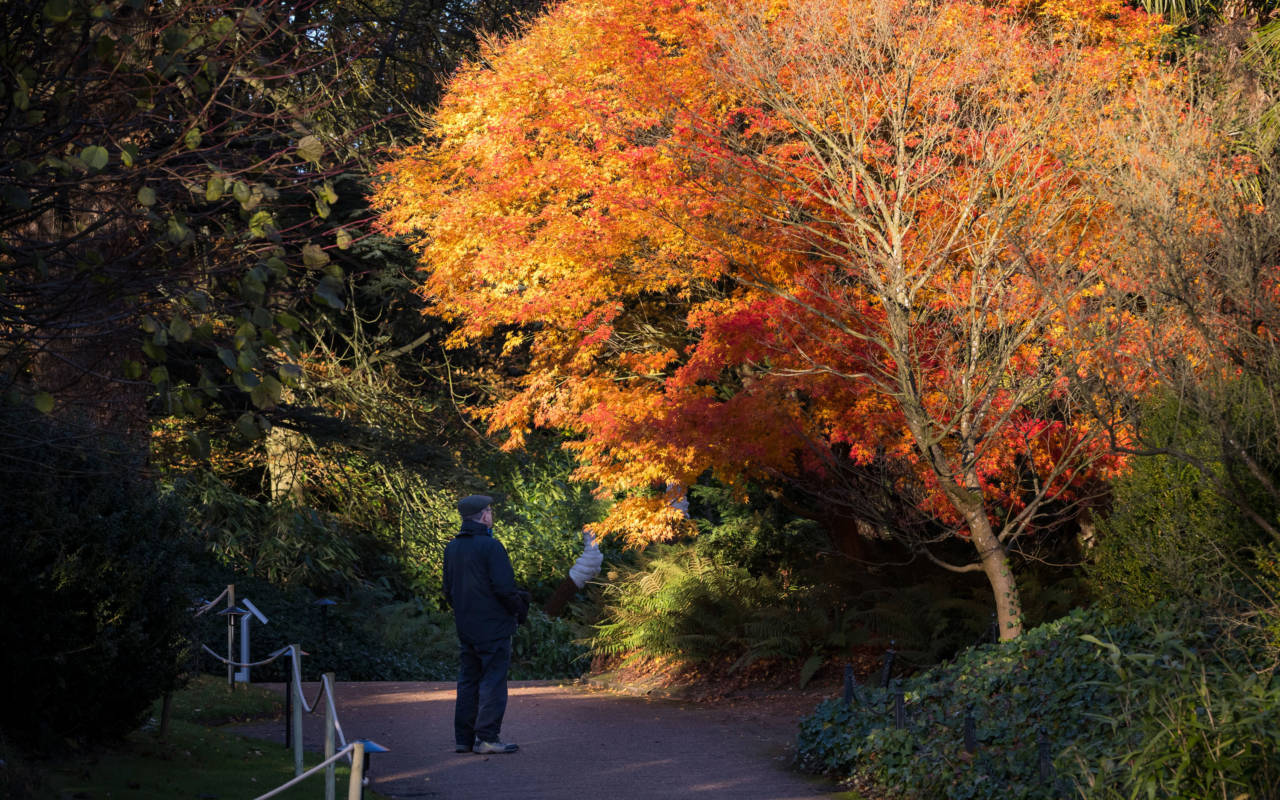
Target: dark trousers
[(482, 691)]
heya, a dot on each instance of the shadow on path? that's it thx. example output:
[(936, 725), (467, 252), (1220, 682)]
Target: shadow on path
[(574, 743)]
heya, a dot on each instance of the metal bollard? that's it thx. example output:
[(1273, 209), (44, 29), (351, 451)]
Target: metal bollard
[(899, 708), (370, 747), (970, 732), (1046, 760), (888, 664), (850, 687)]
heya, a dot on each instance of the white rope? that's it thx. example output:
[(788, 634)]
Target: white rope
[(344, 752), (326, 692), (297, 679), (231, 663), (333, 710)]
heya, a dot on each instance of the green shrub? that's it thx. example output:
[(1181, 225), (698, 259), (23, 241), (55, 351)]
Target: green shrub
[(1187, 721), (1159, 705), (284, 543), (91, 580), (540, 516), (759, 535), (676, 602), (366, 636), (370, 636), (548, 647), (1170, 532), (1047, 679), (1169, 535)]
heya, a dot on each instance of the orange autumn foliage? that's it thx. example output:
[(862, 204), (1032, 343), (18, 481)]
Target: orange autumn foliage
[(688, 209)]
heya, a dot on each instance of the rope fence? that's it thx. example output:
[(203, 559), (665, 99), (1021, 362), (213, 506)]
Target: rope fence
[(354, 751), (335, 741), (239, 664)]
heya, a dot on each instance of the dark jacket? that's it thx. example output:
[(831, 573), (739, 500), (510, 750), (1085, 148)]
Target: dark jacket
[(479, 585)]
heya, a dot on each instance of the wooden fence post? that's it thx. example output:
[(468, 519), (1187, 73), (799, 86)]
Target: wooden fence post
[(330, 736), (295, 686), (356, 786), (231, 636)]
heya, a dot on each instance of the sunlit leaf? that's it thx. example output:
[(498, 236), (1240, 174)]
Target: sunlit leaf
[(310, 148), (314, 256), (260, 223), (290, 374), (95, 157)]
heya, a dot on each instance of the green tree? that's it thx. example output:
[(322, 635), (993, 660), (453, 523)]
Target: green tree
[(161, 171), (94, 579)]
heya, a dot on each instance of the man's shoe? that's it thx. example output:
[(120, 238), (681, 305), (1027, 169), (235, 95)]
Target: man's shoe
[(487, 748), (462, 748)]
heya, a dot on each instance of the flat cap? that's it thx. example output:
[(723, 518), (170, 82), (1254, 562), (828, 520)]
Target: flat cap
[(474, 504)]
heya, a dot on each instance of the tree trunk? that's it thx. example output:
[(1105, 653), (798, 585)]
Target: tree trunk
[(284, 447), (995, 564)]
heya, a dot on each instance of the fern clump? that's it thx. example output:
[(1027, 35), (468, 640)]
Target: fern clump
[(680, 603)]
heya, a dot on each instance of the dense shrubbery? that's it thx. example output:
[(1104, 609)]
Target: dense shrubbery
[(540, 517), (91, 580), (284, 543), (369, 635), (389, 524), (548, 647), (680, 601), (759, 536), (1124, 706), (759, 582), (1170, 532)]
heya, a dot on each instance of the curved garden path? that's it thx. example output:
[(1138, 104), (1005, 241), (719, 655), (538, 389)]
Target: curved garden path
[(575, 742)]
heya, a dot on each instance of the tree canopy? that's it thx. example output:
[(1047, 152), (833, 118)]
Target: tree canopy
[(775, 239)]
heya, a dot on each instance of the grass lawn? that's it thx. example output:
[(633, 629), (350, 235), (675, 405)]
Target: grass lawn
[(196, 760)]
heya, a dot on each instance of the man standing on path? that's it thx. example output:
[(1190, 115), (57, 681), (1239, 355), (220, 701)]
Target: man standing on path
[(480, 587)]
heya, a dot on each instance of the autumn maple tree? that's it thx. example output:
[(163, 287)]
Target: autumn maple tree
[(744, 237)]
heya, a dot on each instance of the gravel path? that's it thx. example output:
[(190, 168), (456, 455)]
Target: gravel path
[(574, 743)]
